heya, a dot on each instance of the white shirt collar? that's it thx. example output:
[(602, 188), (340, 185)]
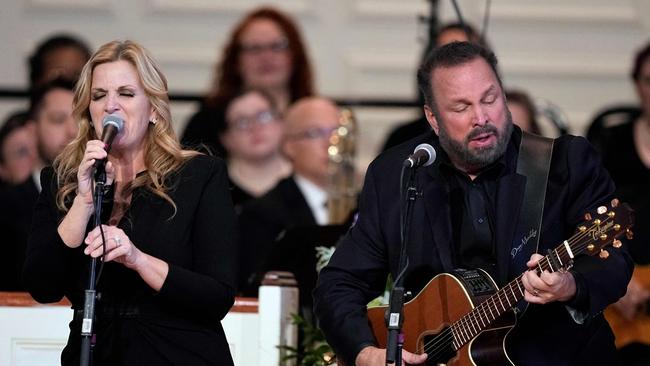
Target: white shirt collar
[(316, 199), (36, 176)]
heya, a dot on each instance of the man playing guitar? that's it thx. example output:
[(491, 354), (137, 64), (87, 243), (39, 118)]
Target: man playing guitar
[(466, 216)]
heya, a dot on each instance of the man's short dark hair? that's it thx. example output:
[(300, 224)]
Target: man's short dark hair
[(449, 55), (472, 35), (37, 96), (49, 45)]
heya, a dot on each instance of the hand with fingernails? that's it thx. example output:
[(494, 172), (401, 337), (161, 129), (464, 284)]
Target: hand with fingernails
[(95, 150), (547, 287), (118, 246), (72, 228)]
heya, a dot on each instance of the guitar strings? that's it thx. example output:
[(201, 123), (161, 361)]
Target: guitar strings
[(481, 307), (441, 343), (472, 315)]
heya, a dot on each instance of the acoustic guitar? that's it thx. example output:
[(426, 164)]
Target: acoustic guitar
[(637, 329), (462, 319)]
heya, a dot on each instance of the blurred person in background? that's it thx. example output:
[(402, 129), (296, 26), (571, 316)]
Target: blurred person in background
[(18, 153), (51, 116), (626, 155), (265, 51), (524, 113), (296, 201), (60, 56), (251, 136)]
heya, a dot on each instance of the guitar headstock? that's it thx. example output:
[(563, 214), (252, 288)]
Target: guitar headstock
[(603, 228)]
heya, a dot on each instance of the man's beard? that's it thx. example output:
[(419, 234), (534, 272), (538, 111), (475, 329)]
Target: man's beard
[(474, 160)]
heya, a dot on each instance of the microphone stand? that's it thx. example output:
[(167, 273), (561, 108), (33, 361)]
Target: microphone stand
[(394, 317), (90, 296)]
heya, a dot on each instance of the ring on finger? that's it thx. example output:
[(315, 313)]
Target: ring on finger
[(118, 241)]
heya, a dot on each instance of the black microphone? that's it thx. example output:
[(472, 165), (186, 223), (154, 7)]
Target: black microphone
[(423, 155), (112, 125)]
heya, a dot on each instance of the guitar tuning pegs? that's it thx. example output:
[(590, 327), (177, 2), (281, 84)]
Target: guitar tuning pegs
[(629, 234), (603, 254), (617, 243), (601, 210), (588, 216), (615, 202)]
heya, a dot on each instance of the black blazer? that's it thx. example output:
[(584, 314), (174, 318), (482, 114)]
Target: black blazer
[(546, 335), (135, 325), (261, 221)]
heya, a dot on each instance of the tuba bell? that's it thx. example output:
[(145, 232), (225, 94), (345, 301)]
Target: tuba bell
[(342, 192)]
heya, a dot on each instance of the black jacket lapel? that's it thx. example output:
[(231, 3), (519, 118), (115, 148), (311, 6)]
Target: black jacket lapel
[(436, 203)]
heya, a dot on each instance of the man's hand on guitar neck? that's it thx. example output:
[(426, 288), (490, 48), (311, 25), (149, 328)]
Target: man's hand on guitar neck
[(547, 287), (373, 356)]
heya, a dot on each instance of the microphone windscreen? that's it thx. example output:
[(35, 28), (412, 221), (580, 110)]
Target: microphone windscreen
[(114, 120)]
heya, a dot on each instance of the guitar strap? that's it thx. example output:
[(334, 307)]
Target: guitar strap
[(534, 163)]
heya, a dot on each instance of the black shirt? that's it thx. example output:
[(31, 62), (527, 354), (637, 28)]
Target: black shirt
[(473, 212)]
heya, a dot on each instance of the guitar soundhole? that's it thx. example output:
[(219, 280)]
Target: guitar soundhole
[(439, 348)]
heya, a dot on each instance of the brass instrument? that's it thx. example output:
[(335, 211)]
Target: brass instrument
[(342, 192)]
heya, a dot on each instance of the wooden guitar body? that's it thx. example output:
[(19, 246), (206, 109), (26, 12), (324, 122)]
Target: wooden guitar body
[(443, 302)]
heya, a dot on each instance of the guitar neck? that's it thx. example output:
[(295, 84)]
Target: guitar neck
[(561, 258)]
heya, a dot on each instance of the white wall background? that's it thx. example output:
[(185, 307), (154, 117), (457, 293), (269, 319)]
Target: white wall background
[(575, 53)]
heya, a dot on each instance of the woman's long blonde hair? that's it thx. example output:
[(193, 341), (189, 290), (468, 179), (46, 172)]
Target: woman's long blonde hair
[(163, 154)]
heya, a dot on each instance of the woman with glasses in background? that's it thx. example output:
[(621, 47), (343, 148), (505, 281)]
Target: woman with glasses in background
[(265, 51), (251, 136)]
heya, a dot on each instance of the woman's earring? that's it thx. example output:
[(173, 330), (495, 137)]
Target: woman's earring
[(153, 121)]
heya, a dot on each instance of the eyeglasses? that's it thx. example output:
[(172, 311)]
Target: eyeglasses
[(246, 123), (314, 133), (258, 48), (20, 153)]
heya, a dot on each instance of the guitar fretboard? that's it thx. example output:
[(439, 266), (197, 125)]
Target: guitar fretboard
[(559, 259)]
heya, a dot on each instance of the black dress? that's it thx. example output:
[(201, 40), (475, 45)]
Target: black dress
[(180, 324)]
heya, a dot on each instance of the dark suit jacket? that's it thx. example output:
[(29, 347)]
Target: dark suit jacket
[(546, 335), (261, 221), (16, 208)]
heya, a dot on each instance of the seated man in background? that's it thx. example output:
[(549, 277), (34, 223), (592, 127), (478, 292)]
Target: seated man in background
[(51, 113), (298, 200)]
